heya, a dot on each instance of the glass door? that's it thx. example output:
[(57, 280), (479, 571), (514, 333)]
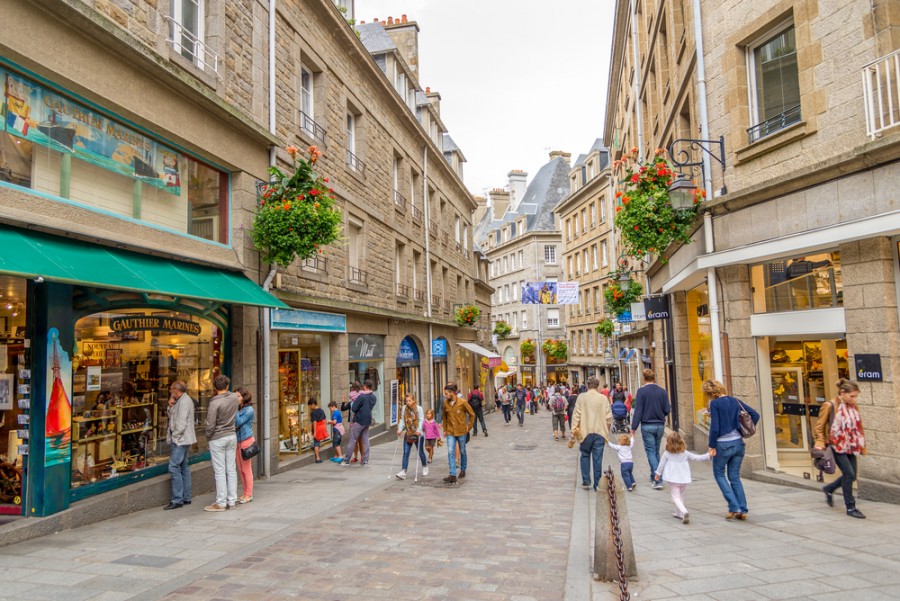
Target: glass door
[(789, 405)]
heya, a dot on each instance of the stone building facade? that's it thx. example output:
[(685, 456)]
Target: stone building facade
[(521, 239), (135, 137), (804, 257)]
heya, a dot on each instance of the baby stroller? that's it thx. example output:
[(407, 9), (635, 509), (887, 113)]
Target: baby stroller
[(620, 423)]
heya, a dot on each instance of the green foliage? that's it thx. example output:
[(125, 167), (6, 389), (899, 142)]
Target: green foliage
[(556, 349), (297, 213), (502, 329), (645, 217), (527, 349), (619, 301), (605, 327), (467, 315)]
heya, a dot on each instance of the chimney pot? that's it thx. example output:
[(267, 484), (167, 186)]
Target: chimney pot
[(403, 18), (427, 90), (383, 23), (390, 21)]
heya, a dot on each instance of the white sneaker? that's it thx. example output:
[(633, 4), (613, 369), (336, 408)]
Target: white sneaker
[(402, 475), (425, 471)]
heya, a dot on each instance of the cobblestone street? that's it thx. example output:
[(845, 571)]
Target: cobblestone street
[(517, 529)]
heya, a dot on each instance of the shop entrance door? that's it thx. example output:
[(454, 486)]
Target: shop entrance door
[(799, 375)]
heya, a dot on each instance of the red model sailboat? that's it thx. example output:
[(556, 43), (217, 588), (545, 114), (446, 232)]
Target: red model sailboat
[(59, 413)]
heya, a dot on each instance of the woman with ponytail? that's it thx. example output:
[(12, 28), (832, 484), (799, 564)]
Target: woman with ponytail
[(840, 426)]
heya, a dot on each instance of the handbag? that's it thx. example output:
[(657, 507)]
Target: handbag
[(250, 452), (823, 460), (340, 428), (745, 422), (412, 439)]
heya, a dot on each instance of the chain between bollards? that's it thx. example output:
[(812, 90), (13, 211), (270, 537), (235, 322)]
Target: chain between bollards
[(617, 534)]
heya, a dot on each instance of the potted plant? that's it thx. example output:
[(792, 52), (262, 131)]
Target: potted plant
[(605, 327), (644, 215), (619, 299), (502, 329), (467, 315), (556, 350), (527, 349), (297, 213)]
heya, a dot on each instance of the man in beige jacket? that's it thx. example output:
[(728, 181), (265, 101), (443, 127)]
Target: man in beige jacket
[(590, 423)]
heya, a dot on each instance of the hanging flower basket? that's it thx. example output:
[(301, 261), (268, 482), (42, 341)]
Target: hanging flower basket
[(502, 329), (467, 315), (605, 327), (527, 349), (619, 301), (297, 212), (644, 215), (557, 350)]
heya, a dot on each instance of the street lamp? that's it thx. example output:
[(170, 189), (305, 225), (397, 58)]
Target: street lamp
[(684, 157), (682, 193), (623, 273)]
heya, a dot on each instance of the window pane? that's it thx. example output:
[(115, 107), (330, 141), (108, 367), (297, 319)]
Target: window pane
[(798, 283), (777, 83)]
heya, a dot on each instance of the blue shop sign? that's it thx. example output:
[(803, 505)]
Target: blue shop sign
[(408, 353), (298, 319), (439, 348)]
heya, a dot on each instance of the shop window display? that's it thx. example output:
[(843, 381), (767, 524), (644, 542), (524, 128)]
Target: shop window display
[(301, 375), (123, 365), (15, 394), (798, 283)]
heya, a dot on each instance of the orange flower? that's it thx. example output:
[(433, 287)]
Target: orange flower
[(292, 150)]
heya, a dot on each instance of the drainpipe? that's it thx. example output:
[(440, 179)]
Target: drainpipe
[(426, 210), (711, 281), (265, 467), (637, 81)]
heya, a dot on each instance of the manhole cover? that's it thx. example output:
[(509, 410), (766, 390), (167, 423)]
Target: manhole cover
[(148, 561), (524, 447), (439, 483)]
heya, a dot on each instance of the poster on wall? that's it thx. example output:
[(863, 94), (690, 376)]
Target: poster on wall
[(6, 391), (58, 420), (550, 293), (395, 408), (56, 122), (94, 373)]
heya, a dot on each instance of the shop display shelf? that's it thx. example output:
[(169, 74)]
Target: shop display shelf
[(82, 419), (141, 429), (96, 437)]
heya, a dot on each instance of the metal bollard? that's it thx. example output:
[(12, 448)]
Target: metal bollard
[(613, 547)]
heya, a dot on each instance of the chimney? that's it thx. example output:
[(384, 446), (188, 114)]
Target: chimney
[(566, 156), (405, 35), (435, 99), (480, 208), (499, 203), (517, 186)]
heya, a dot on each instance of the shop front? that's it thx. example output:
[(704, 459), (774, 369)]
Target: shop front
[(557, 373), (440, 375), (304, 372), (366, 363), (474, 364), (94, 337), (409, 370)]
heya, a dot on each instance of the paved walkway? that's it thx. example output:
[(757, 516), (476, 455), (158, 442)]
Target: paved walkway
[(517, 529)]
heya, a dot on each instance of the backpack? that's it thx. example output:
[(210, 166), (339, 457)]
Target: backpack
[(558, 404)]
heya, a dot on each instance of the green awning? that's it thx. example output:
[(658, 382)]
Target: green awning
[(33, 254)]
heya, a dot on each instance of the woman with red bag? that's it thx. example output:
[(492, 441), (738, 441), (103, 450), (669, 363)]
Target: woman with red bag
[(840, 426)]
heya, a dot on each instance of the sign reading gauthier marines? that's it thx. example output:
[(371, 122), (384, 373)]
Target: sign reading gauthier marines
[(135, 323)]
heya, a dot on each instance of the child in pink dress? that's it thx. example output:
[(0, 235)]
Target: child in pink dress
[(432, 431)]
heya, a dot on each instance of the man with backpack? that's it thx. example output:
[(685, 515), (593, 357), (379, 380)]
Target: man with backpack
[(558, 406), (476, 401)]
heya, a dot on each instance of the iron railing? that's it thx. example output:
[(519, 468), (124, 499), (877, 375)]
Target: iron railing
[(881, 92), (358, 276), (417, 213), (434, 228), (773, 124), (309, 125), (356, 163), (402, 290), (192, 48), (399, 202), (418, 295), (445, 238), (316, 263)]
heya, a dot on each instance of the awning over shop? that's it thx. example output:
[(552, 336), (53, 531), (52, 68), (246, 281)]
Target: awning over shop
[(630, 355), (493, 358), (502, 375), (33, 254)]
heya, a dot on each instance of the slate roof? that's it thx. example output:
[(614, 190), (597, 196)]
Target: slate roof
[(375, 38)]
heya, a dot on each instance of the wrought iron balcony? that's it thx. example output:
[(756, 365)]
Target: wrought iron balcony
[(402, 290), (436, 300), (445, 238), (433, 228), (316, 263), (774, 124), (399, 202), (312, 128), (881, 93), (358, 276), (458, 246), (418, 295), (417, 213), (192, 48), (355, 163)]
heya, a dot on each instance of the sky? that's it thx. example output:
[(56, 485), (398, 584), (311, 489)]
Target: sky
[(517, 78)]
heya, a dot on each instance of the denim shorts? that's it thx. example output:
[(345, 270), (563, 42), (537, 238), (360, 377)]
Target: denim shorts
[(317, 443)]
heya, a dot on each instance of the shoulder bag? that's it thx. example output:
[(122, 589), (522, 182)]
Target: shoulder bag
[(250, 452), (745, 421)]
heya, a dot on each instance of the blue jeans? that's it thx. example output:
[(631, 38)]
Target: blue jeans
[(479, 416), (594, 455), (653, 436), (520, 412), (727, 472), (180, 469), (507, 412), (627, 476), (408, 447), (452, 441)]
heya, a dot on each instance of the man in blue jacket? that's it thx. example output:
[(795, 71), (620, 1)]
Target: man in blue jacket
[(361, 408), (651, 407)]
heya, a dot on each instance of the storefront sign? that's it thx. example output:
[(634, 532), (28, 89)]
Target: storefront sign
[(439, 348), (656, 307), (317, 321), (868, 368), (637, 312), (135, 323), (408, 353), (52, 120), (365, 347)]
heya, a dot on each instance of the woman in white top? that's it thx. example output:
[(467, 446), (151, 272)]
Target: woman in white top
[(676, 471)]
